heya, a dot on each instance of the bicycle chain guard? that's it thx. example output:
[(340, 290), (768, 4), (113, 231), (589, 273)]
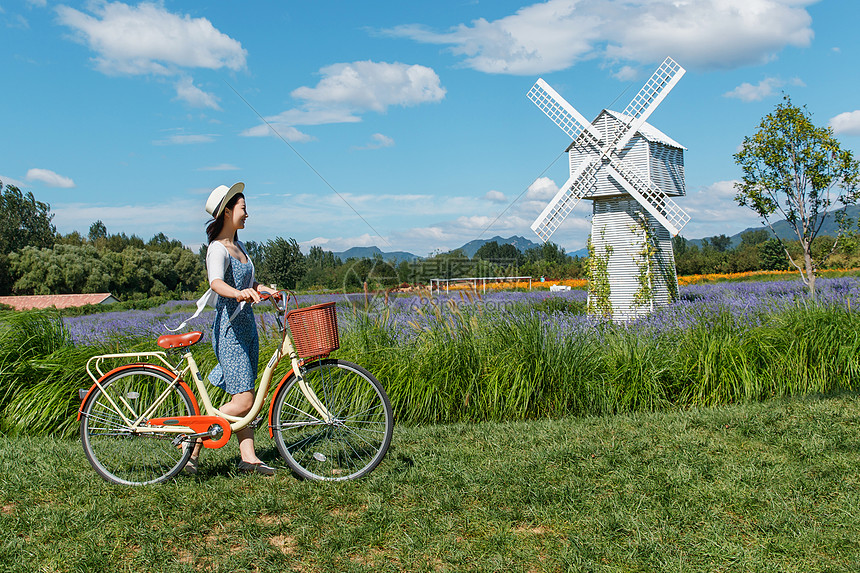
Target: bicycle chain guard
[(200, 425)]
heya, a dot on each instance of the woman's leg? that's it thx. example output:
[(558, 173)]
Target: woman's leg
[(239, 405)]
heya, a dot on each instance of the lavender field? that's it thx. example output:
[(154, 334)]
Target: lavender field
[(500, 356)]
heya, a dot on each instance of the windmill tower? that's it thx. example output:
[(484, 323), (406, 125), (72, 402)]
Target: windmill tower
[(629, 170)]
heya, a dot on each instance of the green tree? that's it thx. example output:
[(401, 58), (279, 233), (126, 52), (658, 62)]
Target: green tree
[(73, 238), (680, 246), (753, 238), (796, 171), (62, 269), (506, 255), (253, 248), (188, 270), (98, 230), (489, 251), (283, 263), (720, 243), (120, 242), (321, 259), (772, 255), (134, 273), (23, 222), (163, 243), (321, 269)]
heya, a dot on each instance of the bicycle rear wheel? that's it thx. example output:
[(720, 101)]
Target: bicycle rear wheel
[(117, 452), (353, 442)]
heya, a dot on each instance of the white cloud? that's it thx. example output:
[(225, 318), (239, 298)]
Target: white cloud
[(222, 167), (277, 129), (172, 217), (15, 21), (542, 37), (557, 34), (50, 178), (185, 139), (378, 141), (194, 96), (765, 88), (847, 123), (542, 189), (10, 181), (626, 74), (147, 39), (748, 92), (350, 89), (713, 210), (315, 116), (373, 86), (495, 196)]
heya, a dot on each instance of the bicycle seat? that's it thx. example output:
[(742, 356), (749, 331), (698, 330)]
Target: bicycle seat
[(169, 341)]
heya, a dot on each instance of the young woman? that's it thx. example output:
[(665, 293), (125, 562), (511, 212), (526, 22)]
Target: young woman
[(234, 332)]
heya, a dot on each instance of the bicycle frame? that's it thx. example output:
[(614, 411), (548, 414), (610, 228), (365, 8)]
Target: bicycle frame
[(139, 421)]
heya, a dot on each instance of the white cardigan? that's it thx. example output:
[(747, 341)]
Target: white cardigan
[(217, 263)]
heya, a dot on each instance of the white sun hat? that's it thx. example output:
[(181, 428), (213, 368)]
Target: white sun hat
[(220, 196)]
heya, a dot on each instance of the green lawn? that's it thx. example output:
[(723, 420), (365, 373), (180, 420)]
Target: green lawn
[(760, 487)]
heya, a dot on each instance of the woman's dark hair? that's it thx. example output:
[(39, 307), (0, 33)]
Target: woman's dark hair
[(213, 229)]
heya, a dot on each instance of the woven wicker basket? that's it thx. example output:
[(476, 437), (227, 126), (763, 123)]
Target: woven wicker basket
[(314, 330)]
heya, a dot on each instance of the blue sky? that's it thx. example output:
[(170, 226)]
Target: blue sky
[(399, 124)]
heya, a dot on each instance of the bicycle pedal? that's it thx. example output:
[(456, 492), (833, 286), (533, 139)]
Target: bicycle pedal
[(256, 423)]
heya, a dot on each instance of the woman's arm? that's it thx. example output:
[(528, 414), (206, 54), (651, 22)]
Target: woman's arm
[(261, 288), (217, 262), (225, 290)]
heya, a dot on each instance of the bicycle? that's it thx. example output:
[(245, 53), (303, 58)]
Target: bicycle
[(330, 419)]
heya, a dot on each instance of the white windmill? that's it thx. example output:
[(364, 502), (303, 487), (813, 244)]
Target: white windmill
[(629, 170)]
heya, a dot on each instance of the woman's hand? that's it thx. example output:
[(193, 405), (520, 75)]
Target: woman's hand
[(247, 295), (263, 289)]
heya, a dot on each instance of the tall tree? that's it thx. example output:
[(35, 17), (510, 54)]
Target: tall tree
[(319, 258), (283, 262), (720, 243), (23, 222), (796, 171), (98, 230)]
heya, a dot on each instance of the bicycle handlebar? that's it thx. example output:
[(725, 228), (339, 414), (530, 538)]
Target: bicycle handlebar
[(276, 298)]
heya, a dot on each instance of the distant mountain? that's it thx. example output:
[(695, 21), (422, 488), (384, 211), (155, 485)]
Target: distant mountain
[(521, 243), (785, 231), (370, 252)]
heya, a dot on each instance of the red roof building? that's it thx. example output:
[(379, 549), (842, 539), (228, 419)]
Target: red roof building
[(56, 300)]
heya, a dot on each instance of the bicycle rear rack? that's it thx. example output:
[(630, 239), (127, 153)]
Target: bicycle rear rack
[(96, 362)]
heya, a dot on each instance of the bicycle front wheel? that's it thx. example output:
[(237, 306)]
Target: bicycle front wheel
[(119, 453), (352, 442)]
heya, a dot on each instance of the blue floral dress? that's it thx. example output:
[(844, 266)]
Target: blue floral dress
[(236, 342)]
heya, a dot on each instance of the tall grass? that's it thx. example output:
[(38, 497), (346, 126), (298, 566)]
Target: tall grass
[(467, 367), (457, 364), (37, 361)]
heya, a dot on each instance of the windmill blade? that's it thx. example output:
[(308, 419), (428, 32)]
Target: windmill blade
[(649, 196), (649, 97), (573, 190), (562, 113)]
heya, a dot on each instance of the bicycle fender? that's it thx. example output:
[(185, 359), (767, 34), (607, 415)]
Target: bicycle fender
[(138, 365), (286, 377), (198, 424)]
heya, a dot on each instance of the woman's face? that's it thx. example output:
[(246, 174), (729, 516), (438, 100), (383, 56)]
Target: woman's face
[(237, 215)]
